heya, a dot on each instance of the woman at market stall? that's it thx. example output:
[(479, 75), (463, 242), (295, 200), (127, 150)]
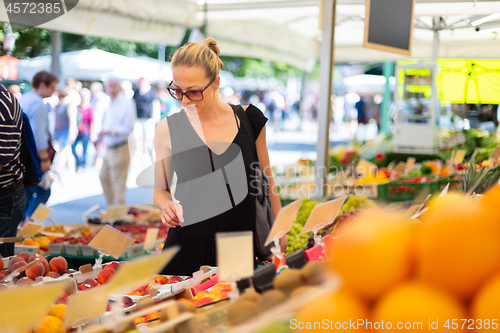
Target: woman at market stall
[(208, 148)]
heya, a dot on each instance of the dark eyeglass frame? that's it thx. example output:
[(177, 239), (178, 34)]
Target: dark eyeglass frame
[(173, 92)]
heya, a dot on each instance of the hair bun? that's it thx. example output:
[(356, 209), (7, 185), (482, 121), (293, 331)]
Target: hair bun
[(212, 45)]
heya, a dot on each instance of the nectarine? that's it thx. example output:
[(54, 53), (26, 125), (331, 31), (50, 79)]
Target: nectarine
[(105, 275), (24, 280), (58, 264)]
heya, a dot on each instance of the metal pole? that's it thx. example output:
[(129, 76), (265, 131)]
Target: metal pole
[(161, 60), (56, 42), (325, 111), (436, 22), (387, 71)]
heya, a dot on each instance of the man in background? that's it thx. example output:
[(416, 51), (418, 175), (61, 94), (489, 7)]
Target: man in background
[(99, 102), (148, 113), (44, 84), (117, 125)]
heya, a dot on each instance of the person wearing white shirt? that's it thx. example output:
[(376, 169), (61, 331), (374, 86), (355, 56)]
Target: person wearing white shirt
[(117, 125)]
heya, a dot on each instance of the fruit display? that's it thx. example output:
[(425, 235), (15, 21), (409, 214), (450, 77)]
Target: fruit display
[(296, 240), (440, 271)]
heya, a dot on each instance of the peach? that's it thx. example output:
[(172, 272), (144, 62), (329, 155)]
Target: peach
[(58, 264), (53, 275), (113, 265), (222, 286), (70, 271), (24, 280), (1, 264), (3, 274), (84, 286), (35, 271), (175, 279), (13, 261), (63, 300), (63, 294), (220, 296), (91, 282), (203, 301), (42, 260), (25, 256), (19, 264), (160, 279), (105, 275)]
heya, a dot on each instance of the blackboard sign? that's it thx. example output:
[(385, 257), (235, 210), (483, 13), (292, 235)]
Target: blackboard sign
[(389, 25)]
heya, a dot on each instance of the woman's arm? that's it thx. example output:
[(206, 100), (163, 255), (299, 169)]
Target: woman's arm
[(265, 166), (171, 212)]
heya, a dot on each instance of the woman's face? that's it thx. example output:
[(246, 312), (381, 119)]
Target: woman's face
[(194, 78)]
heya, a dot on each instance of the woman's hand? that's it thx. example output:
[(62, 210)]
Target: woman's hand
[(171, 214)]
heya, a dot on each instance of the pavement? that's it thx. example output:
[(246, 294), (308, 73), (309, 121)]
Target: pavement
[(74, 193)]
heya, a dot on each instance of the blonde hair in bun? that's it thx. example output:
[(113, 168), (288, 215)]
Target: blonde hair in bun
[(204, 54)]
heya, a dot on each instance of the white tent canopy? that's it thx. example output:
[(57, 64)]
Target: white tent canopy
[(96, 64), (286, 30)]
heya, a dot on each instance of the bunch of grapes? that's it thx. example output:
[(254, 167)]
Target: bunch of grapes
[(330, 228), (296, 240), (356, 202)]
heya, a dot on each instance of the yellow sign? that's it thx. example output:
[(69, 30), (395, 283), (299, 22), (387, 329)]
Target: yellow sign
[(22, 309), (151, 237), (410, 162), (323, 214), (366, 167), (115, 212), (235, 257), (140, 271), (284, 220), (111, 241), (459, 156), (30, 230), (41, 212), (86, 305)]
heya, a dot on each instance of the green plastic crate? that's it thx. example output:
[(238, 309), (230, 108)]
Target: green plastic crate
[(395, 192)]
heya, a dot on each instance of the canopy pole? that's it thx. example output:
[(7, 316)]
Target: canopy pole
[(436, 22), (387, 71), (56, 42), (325, 112)]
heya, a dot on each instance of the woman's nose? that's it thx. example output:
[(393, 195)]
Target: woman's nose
[(184, 99)]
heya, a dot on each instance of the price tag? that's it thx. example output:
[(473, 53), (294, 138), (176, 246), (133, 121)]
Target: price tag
[(18, 302), (400, 167), (116, 212), (284, 220), (411, 211), (323, 214), (235, 257), (391, 165), (30, 230), (366, 167), (410, 162), (86, 305), (111, 241), (495, 154), (151, 237), (41, 212), (4, 240), (140, 271), (445, 191), (459, 156)]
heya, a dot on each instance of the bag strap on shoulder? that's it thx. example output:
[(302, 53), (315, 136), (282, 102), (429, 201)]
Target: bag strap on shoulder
[(248, 128)]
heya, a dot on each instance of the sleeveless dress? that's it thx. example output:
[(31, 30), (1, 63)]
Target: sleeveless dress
[(192, 159)]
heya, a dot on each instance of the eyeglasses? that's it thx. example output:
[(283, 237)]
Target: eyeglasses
[(192, 95)]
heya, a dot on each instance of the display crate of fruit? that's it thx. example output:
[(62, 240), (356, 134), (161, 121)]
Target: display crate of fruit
[(404, 189)]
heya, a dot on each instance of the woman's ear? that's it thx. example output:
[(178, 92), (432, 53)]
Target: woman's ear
[(217, 83)]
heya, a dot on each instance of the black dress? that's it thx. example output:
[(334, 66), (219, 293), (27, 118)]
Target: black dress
[(192, 160)]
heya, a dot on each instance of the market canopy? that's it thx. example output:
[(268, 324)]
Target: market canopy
[(286, 30), (96, 64)]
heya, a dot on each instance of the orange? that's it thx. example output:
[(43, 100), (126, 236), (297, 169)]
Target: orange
[(372, 253), (416, 305), (52, 238), (458, 246), (485, 305), (341, 309), (28, 241), (50, 324), (58, 311)]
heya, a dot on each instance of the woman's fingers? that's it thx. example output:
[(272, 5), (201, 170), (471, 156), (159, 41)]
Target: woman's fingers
[(179, 211), (169, 218)]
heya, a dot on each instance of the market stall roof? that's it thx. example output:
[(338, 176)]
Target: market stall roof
[(286, 30), (96, 64)]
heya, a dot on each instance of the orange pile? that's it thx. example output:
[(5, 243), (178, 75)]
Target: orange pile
[(445, 274)]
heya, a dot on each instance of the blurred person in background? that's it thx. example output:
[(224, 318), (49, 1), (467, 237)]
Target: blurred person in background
[(66, 115), (12, 196), (127, 88), (99, 101), (148, 114), (15, 90), (85, 129), (74, 88), (167, 103), (117, 125), (32, 103)]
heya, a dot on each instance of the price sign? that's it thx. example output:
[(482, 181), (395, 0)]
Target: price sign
[(86, 305), (400, 167), (323, 214), (495, 154), (410, 162), (366, 167), (235, 257), (140, 271), (30, 230), (284, 220), (116, 212), (459, 156), (151, 237), (41, 212), (18, 302), (111, 241)]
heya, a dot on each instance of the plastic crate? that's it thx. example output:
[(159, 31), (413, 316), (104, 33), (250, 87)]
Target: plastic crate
[(73, 249), (133, 250), (88, 251), (57, 248), (440, 184), (395, 191)]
